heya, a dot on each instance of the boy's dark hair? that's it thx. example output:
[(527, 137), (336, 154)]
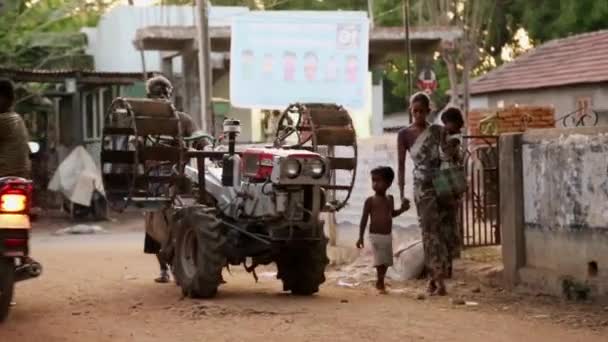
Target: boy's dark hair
[(454, 115), (421, 98), (7, 89), (385, 172)]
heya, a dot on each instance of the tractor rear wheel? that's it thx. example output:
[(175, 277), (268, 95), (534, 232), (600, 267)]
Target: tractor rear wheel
[(199, 256), (302, 267)]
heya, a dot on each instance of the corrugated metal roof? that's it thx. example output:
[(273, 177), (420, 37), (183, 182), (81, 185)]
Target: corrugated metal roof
[(83, 76), (579, 59)]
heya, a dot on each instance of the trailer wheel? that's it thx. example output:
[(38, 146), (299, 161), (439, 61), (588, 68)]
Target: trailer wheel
[(199, 256), (302, 267), (7, 284)]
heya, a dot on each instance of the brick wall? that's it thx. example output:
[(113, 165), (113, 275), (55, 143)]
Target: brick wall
[(513, 119)]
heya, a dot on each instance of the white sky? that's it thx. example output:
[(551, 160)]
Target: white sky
[(522, 40)]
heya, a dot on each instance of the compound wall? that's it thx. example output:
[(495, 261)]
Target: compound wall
[(555, 214)]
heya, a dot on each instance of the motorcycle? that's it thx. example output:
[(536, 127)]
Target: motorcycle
[(15, 226)]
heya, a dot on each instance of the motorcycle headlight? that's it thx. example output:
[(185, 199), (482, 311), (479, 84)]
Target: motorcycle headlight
[(317, 168), (293, 168)]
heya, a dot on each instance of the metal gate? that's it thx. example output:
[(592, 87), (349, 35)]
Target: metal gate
[(480, 223)]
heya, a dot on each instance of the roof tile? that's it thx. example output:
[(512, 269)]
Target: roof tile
[(577, 59)]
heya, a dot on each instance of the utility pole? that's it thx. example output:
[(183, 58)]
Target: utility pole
[(204, 66), (408, 51), (370, 12)]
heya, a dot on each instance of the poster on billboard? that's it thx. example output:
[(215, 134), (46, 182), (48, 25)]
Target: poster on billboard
[(278, 58)]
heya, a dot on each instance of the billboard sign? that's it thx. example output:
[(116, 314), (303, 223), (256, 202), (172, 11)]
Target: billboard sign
[(278, 58)]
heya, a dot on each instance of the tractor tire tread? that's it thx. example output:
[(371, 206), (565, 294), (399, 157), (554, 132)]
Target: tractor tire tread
[(210, 259), (303, 270)]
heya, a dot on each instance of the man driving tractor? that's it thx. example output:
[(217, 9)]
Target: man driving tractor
[(160, 87), (14, 148)]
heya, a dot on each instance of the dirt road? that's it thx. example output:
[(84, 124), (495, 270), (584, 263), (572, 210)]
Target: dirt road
[(100, 288)]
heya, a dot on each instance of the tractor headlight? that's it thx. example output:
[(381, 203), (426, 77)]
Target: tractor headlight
[(317, 168), (292, 168)]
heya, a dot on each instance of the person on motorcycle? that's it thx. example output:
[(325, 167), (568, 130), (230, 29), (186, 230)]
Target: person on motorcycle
[(159, 87), (14, 138)]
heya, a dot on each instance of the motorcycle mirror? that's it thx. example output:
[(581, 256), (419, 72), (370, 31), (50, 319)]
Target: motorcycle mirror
[(34, 147)]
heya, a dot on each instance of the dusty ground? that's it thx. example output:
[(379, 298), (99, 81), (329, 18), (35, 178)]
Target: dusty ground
[(100, 288)]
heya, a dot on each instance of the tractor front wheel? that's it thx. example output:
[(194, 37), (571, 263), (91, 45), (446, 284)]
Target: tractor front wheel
[(302, 267), (199, 257)]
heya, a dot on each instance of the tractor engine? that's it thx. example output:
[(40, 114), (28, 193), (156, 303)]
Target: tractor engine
[(279, 183), (266, 184)]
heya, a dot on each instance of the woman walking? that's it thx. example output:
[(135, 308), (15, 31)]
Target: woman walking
[(423, 141), (452, 156)]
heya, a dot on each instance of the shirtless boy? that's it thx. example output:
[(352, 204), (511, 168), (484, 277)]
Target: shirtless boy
[(381, 209)]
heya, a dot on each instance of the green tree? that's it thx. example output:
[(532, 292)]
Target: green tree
[(313, 5), (484, 33), (550, 19), (45, 33), (395, 78)]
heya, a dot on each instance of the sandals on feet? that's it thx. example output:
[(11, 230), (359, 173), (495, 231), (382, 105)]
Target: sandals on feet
[(441, 291), (163, 279), (431, 287)]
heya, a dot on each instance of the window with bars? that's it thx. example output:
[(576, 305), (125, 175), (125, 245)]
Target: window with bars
[(95, 104)]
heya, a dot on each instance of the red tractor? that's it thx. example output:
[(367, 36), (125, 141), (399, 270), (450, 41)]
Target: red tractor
[(259, 206)]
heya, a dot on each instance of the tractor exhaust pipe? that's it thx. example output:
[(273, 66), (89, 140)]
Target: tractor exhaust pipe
[(232, 162)]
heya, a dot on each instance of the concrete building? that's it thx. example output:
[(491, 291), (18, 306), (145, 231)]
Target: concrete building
[(570, 74), (112, 48), (72, 116), (111, 42)]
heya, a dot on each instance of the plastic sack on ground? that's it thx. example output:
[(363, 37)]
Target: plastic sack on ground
[(77, 178), (408, 261)]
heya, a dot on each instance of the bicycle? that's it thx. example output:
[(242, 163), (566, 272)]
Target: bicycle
[(575, 119)]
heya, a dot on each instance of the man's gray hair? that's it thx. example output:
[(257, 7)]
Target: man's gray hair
[(158, 81)]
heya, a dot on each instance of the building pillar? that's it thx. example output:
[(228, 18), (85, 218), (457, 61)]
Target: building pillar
[(166, 64), (192, 103), (377, 118), (511, 216)]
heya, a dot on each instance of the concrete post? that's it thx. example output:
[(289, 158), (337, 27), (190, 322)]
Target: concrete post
[(377, 120), (204, 65), (167, 68), (332, 229), (192, 102), (77, 128), (511, 207)]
